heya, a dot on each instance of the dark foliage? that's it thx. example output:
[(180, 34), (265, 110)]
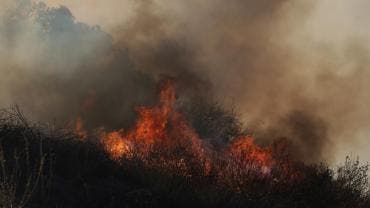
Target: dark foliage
[(212, 121)]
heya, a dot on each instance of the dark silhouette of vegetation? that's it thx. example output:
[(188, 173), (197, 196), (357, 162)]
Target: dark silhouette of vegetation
[(212, 121), (42, 166)]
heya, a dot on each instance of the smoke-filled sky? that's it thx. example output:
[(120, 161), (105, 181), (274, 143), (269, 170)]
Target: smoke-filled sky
[(291, 68)]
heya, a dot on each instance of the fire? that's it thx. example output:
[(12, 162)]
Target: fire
[(162, 138), (163, 125), (150, 127), (152, 122), (160, 126), (246, 149), (115, 145)]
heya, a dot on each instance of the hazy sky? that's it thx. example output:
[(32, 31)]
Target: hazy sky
[(332, 20)]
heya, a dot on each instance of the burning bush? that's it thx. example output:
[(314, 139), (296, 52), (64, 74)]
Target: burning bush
[(164, 161)]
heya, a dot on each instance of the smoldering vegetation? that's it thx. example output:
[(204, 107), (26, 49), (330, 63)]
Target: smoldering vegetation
[(246, 53), (45, 166)]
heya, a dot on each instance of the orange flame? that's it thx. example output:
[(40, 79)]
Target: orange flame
[(163, 129), (150, 126), (115, 145), (159, 126), (152, 122), (245, 148)]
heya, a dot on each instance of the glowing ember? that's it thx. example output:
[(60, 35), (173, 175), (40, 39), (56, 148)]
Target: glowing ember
[(116, 145)]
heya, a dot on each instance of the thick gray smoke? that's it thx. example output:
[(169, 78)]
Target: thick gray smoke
[(252, 55), (57, 68)]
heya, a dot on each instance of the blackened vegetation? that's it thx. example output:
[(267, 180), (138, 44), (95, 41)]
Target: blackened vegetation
[(42, 166)]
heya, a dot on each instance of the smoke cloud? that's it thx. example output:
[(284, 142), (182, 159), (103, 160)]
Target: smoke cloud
[(256, 56)]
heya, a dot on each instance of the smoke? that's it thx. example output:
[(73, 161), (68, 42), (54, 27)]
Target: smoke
[(262, 58), (57, 68), (241, 49), (257, 56)]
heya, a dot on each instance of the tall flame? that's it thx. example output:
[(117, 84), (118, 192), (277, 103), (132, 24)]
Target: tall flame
[(160, 125), (161, 128)]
